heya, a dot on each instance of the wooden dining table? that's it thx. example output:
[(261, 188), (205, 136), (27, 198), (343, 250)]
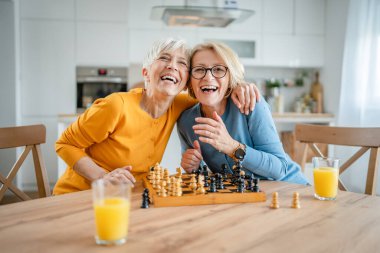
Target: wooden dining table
[(65, 223)]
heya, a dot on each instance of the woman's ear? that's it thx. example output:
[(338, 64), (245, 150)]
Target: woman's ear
[(145, 74)]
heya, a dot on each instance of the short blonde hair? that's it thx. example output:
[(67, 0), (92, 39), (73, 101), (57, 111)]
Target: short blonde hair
[(231, 60), (167, 45)]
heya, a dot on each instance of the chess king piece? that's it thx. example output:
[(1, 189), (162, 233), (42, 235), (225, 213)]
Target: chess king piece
[(145, 199), (275, 204), (296, 201)]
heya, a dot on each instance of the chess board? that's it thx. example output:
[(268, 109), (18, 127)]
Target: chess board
[(189, 198)]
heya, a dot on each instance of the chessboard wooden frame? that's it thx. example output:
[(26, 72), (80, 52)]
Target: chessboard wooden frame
[(203, 199)]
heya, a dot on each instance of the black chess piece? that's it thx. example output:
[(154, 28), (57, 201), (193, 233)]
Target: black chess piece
[(250, 182), (205, 174), (145, 199), (219, 181), (256, 188), (224, 169), (241, 185), (212, 185)]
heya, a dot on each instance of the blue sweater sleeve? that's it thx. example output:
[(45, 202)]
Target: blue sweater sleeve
[(267, 157)]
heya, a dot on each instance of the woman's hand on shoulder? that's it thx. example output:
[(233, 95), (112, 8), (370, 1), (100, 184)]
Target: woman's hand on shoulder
[(245, 96)]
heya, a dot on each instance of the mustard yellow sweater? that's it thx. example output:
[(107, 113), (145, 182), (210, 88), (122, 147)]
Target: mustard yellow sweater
[(116, 132)]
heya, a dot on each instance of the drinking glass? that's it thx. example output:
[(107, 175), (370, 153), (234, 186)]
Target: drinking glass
[(326, 174), (111, 203)]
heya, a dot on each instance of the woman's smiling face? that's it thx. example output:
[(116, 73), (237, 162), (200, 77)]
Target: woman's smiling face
[(209, 90), (168, 73)]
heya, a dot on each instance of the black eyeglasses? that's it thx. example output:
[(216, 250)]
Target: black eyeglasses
[(217, 71)]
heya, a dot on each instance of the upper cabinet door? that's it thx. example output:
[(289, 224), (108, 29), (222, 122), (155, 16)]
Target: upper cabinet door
[(102, 43), (102, 10), (139, 14), (47, 68), (49, 9), (278, 16), (310, 17), (253, 23)]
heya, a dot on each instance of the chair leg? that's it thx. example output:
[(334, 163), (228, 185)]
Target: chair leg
[(41, 175), (370, 187)]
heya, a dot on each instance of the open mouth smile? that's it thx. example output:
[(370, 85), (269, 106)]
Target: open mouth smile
[(169, 78), (208, 89)]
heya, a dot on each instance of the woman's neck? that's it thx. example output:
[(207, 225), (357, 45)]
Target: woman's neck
[(208, 110), (155, 104)]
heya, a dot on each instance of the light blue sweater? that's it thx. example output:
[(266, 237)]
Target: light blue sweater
[(265, 156)]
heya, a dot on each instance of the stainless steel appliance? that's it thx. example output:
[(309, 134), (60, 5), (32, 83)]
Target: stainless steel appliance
[(97, 82)]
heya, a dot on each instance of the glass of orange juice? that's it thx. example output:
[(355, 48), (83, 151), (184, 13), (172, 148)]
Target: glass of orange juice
[(326, 174), (112, 204)]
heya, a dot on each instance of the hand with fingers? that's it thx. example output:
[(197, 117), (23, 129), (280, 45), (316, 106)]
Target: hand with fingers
[(248, 94), (120, 175), (214, 132), (192, 158)]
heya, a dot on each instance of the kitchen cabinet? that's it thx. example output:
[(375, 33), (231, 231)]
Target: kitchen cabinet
[(309, 17), (47, 67), (253, 24), (247, 45), (102, 10), (47, 9), (293, 33), (102, 43), (139, 15), (278, 16), (293, 51)]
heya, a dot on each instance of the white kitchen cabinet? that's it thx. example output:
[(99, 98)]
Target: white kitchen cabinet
[(139, 14), (293, 51), (310, 17), (102, 43), (47, 68), (102, 10), (47, 9), (247, 45), (278, 16), (253, 23)]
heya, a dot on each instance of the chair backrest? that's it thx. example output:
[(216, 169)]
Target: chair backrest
[(366, 138), (29, 137)]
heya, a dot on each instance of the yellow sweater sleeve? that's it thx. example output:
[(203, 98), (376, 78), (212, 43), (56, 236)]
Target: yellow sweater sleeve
[(93, 126)]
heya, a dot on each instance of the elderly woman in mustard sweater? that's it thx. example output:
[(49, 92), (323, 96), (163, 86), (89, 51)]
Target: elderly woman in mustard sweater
[(119, 137)]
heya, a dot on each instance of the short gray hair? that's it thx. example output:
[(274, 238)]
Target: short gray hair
[(167, 45)]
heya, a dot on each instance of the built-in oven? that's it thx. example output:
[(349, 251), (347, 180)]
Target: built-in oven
[(97, 82)]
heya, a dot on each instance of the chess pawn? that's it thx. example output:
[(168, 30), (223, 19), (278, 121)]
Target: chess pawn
[(163, 192), (179, 172), (178, 189), (275, 204), (296, 201), (193, 183), (201, 189)]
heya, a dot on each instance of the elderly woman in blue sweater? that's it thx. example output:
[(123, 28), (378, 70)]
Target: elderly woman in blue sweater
[(215, 132)]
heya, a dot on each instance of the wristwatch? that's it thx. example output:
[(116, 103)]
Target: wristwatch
[(239, 153)]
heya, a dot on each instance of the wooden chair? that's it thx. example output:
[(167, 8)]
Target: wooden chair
[(366, 138), (29, 137)]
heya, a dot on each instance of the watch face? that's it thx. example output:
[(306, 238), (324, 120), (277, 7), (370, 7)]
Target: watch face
[(240, 153)]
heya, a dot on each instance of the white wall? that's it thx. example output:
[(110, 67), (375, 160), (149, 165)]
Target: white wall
[(7, 80)]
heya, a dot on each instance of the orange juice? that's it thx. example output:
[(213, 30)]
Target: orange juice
[(111, 218), (326, 182)]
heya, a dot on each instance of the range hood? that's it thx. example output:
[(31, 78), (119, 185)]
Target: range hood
[(199, 16)]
